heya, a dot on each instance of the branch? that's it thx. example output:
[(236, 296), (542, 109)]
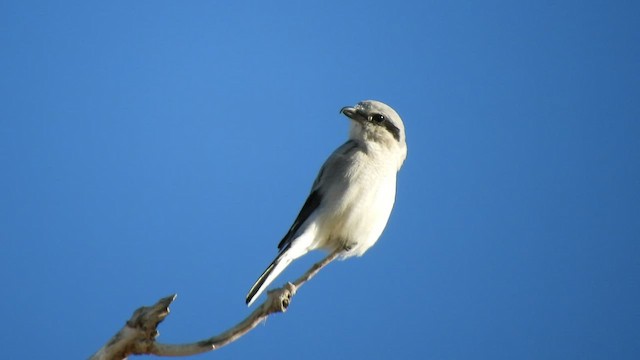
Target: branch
[(139, 334)]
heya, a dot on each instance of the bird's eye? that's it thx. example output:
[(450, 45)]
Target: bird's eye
[(377, 118)]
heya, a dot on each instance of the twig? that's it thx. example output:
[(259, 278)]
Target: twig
[(138, 335)]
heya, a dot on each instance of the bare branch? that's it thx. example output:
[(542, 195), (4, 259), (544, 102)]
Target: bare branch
[(138, 335), (139, 330)]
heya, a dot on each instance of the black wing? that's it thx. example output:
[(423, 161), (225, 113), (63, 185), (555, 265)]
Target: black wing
[(312, 203)]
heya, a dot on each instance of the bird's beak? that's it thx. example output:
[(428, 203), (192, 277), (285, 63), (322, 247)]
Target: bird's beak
[(354, 114)]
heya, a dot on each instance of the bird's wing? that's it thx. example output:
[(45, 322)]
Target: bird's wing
[(312, 203), (335, 163)]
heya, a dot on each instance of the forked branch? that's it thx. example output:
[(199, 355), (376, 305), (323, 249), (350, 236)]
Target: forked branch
[(139, 334)]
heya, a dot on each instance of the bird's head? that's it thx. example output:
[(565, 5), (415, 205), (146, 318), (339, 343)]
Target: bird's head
[(374, 121)]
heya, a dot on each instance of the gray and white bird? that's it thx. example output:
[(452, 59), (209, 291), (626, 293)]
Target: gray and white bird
[(353, 194)]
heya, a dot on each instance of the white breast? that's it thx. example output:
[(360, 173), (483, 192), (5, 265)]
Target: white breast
[(359, 208)]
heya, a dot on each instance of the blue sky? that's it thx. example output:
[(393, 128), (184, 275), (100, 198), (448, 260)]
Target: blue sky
[(153, 147)]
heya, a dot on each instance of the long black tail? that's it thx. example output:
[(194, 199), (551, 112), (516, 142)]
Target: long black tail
[(271, 272)]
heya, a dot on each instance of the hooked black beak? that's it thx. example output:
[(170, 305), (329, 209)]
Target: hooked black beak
[(354, 114)]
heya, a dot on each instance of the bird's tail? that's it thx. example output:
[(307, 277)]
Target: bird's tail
[(271, 273)]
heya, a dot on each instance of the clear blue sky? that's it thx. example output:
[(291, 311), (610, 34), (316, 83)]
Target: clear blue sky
[(153, 147)]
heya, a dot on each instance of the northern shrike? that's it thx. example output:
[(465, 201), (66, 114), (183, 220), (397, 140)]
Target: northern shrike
[(353, 194)]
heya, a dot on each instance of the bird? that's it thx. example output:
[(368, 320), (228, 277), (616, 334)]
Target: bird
[(352, 196)]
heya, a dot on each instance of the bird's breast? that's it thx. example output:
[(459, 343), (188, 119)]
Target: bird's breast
[(359, 207)]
